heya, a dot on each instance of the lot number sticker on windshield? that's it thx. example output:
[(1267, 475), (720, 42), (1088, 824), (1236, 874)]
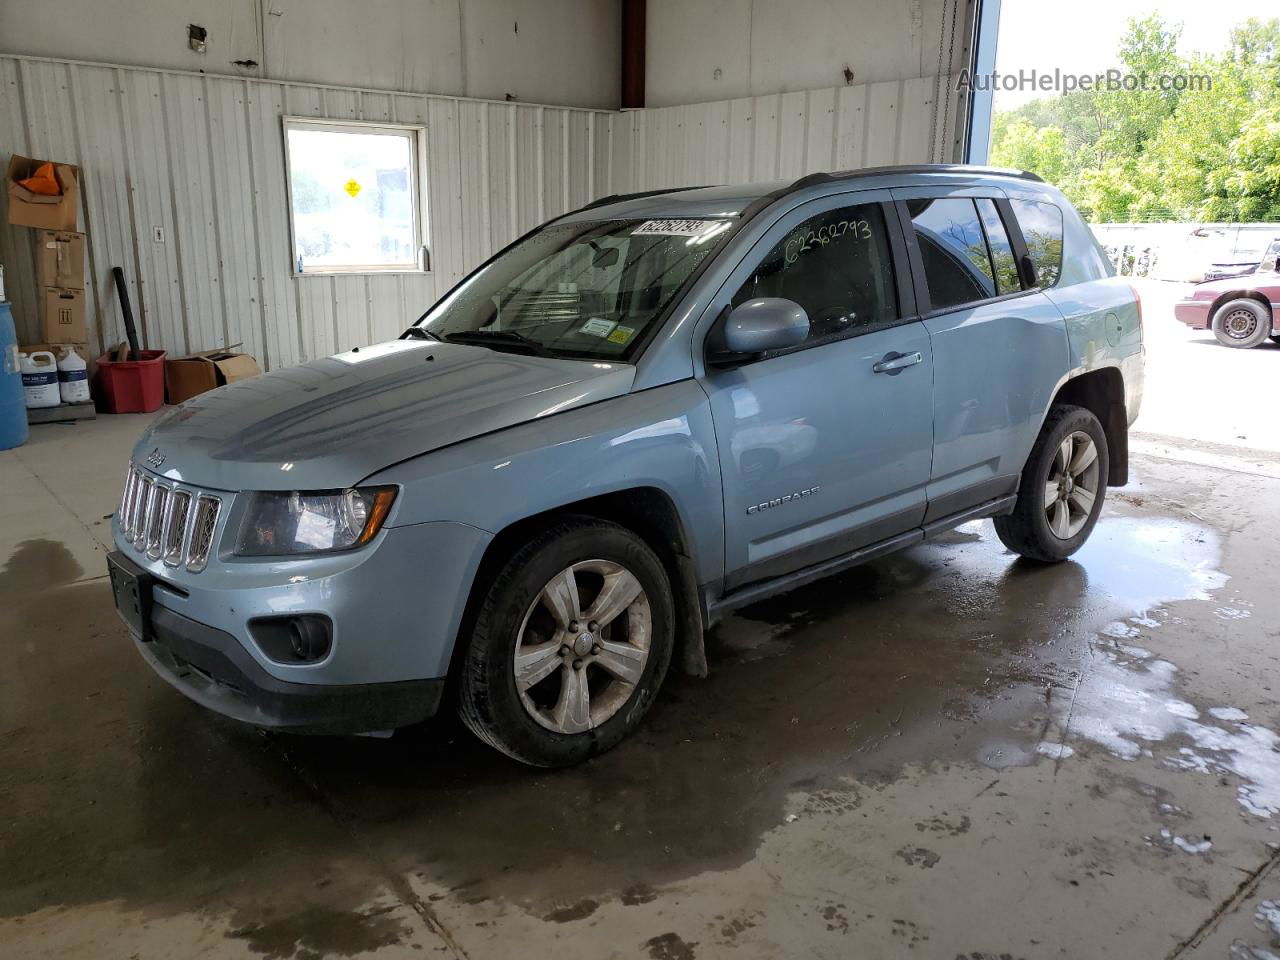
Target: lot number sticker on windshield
[(596, 327), (674, 228), (622, 334)]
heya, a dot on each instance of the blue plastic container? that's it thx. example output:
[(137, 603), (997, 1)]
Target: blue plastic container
[(13, 411)]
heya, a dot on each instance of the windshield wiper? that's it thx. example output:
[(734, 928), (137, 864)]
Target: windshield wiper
[(497, 339), (418, 333)]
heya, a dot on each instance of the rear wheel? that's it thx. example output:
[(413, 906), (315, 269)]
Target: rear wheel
[(571, 644), (1241, 323), (1062, 489)]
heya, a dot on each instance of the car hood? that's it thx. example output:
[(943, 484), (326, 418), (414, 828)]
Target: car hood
[(330, 423), (1211, 289)]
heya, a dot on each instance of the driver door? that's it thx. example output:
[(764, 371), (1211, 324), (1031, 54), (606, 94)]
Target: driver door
[(822, 450)]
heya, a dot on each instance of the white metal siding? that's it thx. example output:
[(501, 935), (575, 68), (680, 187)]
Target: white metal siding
[(203, 157), (781, 136)]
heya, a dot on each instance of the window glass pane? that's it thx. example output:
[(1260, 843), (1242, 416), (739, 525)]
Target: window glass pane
[(1041, 225), (1271, 259), (579, 289), (957, 266), (837, 266), (353, 196), (1001, 250)]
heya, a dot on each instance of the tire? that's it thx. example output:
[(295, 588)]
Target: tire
[(1028, 530), (538, 716), (1242, 322)]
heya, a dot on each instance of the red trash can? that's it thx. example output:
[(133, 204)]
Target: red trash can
[(133, 386)]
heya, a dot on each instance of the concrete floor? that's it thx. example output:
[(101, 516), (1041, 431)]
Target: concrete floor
[(944, 754)]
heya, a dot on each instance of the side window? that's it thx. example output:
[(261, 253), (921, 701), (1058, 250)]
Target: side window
[(957, 265), (1271, 259), (1002, 257), (837, 266), (1041, 225)]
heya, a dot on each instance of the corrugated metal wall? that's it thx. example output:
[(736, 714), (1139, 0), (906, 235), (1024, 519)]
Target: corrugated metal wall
[(202, 157), (784, 135)]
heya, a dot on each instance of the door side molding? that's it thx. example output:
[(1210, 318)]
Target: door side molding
[(762, 589)]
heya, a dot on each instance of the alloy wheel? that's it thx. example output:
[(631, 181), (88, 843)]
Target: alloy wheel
[(1072, 485), (582, 646)]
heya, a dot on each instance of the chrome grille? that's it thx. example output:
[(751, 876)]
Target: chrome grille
[(141, 504), (167, 522), (202, 532), (126, 501), (157, 517), (175, 534)]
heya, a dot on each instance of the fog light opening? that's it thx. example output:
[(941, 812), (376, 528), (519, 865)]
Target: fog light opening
[(307, 639), (303, 638)]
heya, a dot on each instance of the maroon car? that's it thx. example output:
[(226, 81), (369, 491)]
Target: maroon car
[(1241, 311)]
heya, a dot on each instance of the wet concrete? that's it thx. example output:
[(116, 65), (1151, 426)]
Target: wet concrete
[(948, 753)]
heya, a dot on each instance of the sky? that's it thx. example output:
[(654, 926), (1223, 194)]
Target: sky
[(1083, 36)]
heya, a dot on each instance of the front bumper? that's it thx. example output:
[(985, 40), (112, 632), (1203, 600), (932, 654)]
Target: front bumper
[(1194, 313), (395, 605), (213, 669)]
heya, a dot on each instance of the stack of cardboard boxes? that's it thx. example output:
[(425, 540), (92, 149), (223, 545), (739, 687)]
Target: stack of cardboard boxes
[(60, 276), (59, 254)]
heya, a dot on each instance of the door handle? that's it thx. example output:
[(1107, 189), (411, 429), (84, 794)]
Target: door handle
[(894, 363)]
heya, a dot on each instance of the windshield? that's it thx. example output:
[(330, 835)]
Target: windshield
[(582, 290)]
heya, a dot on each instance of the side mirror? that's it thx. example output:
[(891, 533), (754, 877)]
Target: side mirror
[(757, 326), (1028, 268)]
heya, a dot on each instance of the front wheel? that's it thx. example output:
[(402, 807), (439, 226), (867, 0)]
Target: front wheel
[(1062, 488), (570, 646), (1242, 323)]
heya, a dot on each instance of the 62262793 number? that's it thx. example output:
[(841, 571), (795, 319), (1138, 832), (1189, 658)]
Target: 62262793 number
[(806, 240)]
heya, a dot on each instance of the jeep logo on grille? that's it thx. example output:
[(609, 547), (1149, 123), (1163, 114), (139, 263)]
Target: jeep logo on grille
[(155, 458)]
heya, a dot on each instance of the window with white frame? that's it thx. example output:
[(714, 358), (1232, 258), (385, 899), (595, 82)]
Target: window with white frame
[(355, 196)]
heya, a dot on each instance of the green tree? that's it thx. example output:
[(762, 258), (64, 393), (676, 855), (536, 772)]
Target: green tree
[(1202, 152), (1042, 150)]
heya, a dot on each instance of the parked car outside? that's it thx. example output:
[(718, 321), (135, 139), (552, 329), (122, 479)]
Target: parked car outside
[(1265, 264), (1241, 311), (638, 417)]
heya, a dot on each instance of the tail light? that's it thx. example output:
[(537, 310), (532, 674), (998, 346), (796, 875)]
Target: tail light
[(1137, 304)]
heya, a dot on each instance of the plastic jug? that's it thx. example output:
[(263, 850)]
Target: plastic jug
[(13, 409), (40, 380), (73, 377)]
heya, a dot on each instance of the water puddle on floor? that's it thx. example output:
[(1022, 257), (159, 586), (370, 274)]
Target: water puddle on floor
[(1127, 697)]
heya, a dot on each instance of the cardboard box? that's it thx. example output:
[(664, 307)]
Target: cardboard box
[(62, 315), (27, 209), (60, 259), (196, 373)]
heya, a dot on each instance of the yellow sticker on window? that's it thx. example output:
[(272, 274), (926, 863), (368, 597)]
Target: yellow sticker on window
[(621, 334), (352, 187)]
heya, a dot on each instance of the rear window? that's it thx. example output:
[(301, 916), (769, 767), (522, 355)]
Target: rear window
[(957, 263), (1041, 225), (1002, 258)]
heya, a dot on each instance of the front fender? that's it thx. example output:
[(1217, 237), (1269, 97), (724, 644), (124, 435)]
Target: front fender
[(661, 438)]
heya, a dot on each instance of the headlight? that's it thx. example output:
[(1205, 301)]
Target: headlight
[(312, 521)]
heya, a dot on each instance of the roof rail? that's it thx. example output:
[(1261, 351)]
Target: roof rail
[(814, 179), (620, 197)]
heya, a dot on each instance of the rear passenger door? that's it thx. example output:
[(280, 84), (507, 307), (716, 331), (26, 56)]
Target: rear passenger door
[(999, 349)]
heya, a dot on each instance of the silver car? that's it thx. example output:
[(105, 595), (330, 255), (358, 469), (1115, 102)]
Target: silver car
[(635, 418)]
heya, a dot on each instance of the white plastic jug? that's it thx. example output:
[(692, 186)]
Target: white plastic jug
[(40, 380), (73, 377)]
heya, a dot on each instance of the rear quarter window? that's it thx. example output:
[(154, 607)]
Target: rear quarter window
[(1041, 225)]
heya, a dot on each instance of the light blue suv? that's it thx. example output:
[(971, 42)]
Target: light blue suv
[(636, 417)]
